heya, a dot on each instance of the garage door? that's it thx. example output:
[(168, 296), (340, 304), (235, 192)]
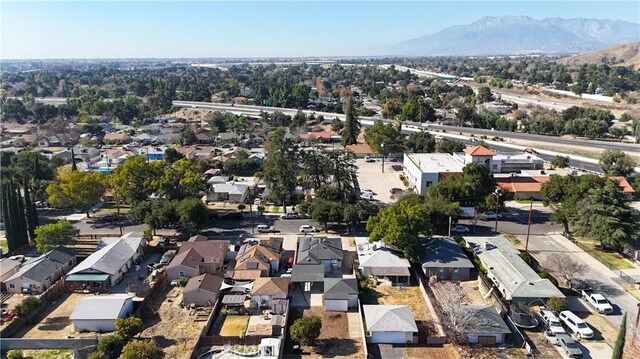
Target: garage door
[(486, 340), (389, 337), (336, 305)]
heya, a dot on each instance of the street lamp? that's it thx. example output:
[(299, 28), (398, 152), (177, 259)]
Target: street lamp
[(497, 194), (382, 150)]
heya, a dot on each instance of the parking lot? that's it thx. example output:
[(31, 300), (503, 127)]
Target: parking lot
[(370, 176)]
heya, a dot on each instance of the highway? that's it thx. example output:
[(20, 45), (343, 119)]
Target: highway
[(452, 132)]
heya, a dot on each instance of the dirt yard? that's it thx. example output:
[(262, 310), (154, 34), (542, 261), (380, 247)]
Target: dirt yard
[(469, 352), (57, 323), (411, 296), (172, 327), (448, 351), (234, 325), (333, 341)]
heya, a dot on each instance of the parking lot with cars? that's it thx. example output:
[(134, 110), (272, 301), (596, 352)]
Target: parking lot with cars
[(378, 183)]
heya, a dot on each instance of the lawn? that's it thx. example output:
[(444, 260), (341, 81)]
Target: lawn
[(234, 325), (611, 259), (3, 245)]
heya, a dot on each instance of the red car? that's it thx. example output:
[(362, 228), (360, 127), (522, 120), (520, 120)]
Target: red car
[(531, 151)]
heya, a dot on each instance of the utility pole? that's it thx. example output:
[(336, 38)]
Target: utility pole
[(526, 245), (449, 226), (251, 216), (497, 194), (382, 148), (118, 213)]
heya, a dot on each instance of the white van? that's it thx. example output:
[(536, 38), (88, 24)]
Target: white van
[(551, 323), (576, 324)]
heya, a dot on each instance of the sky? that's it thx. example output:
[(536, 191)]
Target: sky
[(180, 29)]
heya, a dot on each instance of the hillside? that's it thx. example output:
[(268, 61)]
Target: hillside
[(519, 35), (628, 53)]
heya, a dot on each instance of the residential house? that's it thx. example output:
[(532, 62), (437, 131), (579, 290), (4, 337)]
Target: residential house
[(119, 137), (527, 187), (360, 150), (99, 313), (204, 137), (380, 261), (154, 153), (8, 267), (340, 294), (266, 290), (389, 324), (445, 259), (38, 275), (106, 266), (202, 290), (320, 250), (198, 257), (263, 256), (258, 157), (487, 326), (233, 192), (511, 275), (226, 137)]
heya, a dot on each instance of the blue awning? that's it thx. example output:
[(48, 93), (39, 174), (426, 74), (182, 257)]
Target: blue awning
[(87, 277)]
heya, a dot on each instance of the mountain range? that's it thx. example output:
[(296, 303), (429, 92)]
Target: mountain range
[(510, 35)]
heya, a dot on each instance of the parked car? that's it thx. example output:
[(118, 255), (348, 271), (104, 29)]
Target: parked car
[(551, 322), (369, 159), (366, 196), (167, 256), (395, 190), (290, 215), (368, 191), (569, 346), (530, 151), (597, 301), (492, 215), (257, 201), (263, 228), (576, 325), (459, 228), (305, 228)]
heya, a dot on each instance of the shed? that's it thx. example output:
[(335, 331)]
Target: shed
[(340, 294), (392, 324), (99, 313)]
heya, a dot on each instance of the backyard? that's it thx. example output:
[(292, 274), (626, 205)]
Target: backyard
[(334, 340), (411, 296), (234, 325)]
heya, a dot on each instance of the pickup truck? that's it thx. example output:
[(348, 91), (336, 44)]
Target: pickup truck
[(597, 301)]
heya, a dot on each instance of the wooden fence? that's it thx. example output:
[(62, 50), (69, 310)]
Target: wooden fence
[(159, 283)]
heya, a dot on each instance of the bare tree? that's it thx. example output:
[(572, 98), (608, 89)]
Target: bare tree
[(458, 318), (564, 266)]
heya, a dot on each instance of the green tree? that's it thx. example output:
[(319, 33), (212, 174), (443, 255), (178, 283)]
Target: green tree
[(449, 146), (484, 94), (132, 180), (618, 349), (306, 330), (51, 235), (77, 190), (557, 304), (171, 155), (110, 346), (560, 161), (14, 216), (15, 354), (28, 307), (188, 137), (280, 166), (352, 125), (180, 180), (142, 349), (605, 215), (129, 327), (615, 162), (381, 133), (420, 142)]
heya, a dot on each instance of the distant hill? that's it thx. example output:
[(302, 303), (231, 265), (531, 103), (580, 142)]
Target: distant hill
[(629, 54), (509, 35)]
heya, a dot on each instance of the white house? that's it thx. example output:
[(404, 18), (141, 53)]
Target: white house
[(233, 192), (391, 324), (99, 313), (340, 294)]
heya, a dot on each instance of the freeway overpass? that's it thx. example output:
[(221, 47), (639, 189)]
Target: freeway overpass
[(452, 132)]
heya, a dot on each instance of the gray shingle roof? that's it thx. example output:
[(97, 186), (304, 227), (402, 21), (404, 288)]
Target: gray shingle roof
[(307, 273), (487, 320), (384, 258), (443, 253), (45, 265), (389, 318), (311, 250), (112, 257), (504, 264), (61, 254), (340, 288)]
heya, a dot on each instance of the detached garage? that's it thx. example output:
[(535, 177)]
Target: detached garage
[(390, 324), (340, 294), (99, 313), (489, 328)]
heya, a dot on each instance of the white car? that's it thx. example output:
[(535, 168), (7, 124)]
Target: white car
[(551, 322), (305, 228), (369, 159), (263, 228), (367, 191), (366, 196), (492, 215), (458, 228), (257, 201), (290, 215), (576, 325)]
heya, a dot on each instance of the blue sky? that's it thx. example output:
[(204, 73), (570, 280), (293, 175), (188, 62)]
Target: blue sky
[(92, 29)]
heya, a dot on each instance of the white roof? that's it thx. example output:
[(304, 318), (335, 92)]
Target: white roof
[(435, 162), (7, 265), (231, 188), (383, 258), (100, 307), (113, 256), (389, 318)]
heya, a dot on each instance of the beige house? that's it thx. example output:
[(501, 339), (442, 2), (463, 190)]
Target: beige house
[(267, 289), (263, 256), (197, 257), (38, 275), (119, 137), (8, 267), (202, 290)]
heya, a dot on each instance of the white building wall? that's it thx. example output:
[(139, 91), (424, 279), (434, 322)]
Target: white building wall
[(391, 337)]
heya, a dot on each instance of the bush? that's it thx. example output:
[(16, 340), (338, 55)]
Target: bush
[(145, 349), (110, 346), (129, 327), (28, 307), (183, 281), (306, 329), (546, 275), (526, 257), (618, 349), (557, 304), (15, 354)]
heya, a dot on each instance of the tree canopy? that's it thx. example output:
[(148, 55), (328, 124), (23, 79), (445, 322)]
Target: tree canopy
[(77, 189), (615, 162), (51, 235), (383, 138), (306, 330)]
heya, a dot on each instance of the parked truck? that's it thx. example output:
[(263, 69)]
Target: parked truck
[(467, 212), (597, 301)]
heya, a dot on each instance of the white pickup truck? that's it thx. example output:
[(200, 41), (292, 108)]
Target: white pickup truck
[(597, 301)]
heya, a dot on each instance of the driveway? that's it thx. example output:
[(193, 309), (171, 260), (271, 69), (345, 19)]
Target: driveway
[(370, 176)]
